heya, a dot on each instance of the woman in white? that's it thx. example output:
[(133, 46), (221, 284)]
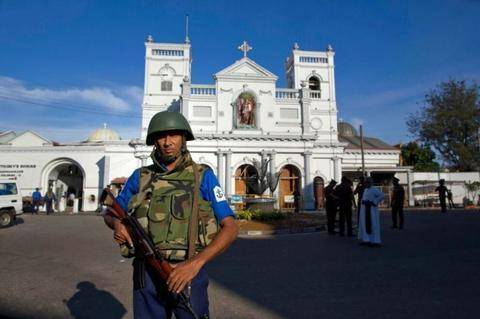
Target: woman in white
[(369, 223)]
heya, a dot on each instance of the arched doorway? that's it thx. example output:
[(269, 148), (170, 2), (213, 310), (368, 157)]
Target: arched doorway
[(289, 187), (318, 192), (65, 177), (241, 175)]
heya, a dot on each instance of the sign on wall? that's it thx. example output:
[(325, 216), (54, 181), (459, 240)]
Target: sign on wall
[(14, 171), (236, 199)]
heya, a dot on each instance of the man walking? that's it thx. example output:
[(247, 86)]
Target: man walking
[(331, 206), (36, 201), (49, 199), (345, 201), (164, 197), (398, 197), (442, 195)]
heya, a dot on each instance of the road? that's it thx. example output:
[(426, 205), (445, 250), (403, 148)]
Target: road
[(69, 267)]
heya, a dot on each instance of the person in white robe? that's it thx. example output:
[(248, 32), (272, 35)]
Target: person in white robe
[(369, 222)]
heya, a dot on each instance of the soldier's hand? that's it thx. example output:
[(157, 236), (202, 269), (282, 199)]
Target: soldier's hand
[(120, 233), (182, 275)]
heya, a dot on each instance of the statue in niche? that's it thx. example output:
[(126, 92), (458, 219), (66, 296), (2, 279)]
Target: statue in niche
[(246, 107)]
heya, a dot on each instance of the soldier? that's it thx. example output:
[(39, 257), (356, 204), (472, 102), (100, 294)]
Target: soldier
[(161, 197), (345, 201), (442, 194), (398, 197), (331, 206), (359, 191)]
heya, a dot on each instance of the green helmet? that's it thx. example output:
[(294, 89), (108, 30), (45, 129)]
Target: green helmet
[(168, 121)]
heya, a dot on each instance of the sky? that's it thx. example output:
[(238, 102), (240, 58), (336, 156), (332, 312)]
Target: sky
[(68, 66)]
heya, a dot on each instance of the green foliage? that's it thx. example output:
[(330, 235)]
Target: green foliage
[(421, 157), (244, 214), (449, 121), (259, 215)]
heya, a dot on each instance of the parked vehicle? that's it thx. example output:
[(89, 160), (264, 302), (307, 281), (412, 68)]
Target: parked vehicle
[(10, 203)]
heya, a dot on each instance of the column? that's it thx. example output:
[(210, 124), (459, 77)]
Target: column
[(220, 168), (228, 173), (305, 103), (411, 200), (106, 171), (336, 169), (308, 189)]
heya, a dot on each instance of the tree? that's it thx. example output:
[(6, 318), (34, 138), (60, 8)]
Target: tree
[(421, 157), (449, 121)]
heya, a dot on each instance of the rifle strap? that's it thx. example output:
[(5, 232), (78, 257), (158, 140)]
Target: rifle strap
[(193, 224)]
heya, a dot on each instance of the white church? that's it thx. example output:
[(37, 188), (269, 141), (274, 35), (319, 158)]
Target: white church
[(243, 116)]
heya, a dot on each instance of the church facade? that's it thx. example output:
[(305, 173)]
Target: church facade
[(240, 119), (244, 117)]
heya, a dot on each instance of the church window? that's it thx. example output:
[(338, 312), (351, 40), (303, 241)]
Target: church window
[(314, 83), (166, 86)]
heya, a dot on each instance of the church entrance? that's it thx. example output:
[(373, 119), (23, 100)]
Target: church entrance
[(65, 177), (318, 191), (289, 187)]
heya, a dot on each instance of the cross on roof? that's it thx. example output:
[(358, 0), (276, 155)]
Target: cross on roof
[(245, 48)]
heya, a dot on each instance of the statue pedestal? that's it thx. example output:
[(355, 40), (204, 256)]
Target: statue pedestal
[(263, 204)]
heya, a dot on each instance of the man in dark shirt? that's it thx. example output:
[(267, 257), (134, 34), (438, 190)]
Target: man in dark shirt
[(442, 195), (398, 197), (359, 191), (345, 201), (331, 206)]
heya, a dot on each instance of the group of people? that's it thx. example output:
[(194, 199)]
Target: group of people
[(341, 199), (38, 200), (49, 200)]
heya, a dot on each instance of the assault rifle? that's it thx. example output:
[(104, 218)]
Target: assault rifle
[(143, 244)]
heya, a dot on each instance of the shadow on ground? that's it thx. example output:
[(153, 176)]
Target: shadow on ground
[(428, 270), (90, 302)]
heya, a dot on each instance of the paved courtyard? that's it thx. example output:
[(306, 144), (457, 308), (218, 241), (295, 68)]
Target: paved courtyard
[(69, 267)]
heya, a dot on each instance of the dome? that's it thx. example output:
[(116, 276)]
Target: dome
[(103, 134), (346, 129)]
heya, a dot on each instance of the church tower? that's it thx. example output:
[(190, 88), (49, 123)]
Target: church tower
[(312, 72), (166, 65)]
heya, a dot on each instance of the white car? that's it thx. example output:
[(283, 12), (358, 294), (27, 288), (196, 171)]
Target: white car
[(10, 202)]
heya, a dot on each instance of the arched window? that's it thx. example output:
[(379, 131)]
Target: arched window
[(166, 86), (314, 83)]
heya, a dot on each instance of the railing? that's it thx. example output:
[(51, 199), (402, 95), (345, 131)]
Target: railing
[(203, 90), (315, 94), (287, 94)]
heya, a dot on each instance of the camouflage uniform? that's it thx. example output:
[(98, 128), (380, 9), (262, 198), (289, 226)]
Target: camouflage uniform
[(162, 202)]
